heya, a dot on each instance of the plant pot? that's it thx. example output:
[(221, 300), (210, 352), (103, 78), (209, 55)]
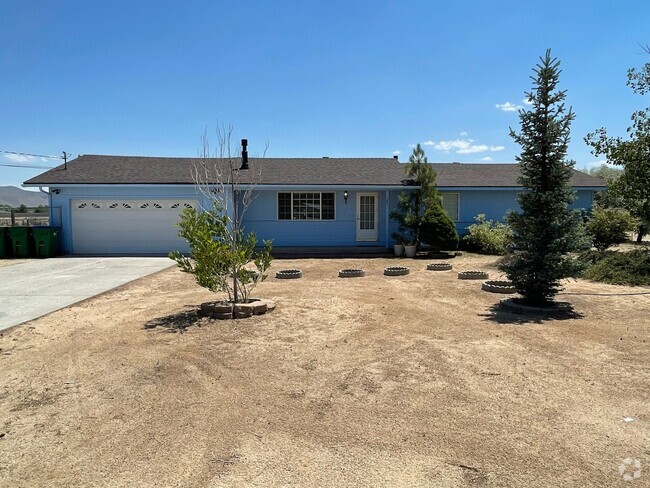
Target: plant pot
[(398, 249), (410, 251)]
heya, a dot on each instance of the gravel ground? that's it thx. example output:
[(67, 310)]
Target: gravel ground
[(376, 381)]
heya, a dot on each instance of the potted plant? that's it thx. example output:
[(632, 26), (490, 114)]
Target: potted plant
[(398, 247), (410, 247)]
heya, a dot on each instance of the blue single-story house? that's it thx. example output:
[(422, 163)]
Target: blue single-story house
[(127, 205)]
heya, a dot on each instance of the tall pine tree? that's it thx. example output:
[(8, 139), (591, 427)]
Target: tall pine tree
[(420, 214), (546, 230)]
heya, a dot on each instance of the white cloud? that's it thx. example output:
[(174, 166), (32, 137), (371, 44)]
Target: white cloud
[(474, 148), (487, 159), (19, 158), (597, 164), (397, 153), (527, 101), (412, 145), (463, 134), (457, 144), (462, 146), (508, 107)]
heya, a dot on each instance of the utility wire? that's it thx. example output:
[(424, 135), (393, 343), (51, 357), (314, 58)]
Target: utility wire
[(15, 165), (32, 155)]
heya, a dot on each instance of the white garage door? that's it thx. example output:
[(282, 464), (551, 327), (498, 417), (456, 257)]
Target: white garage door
[(127, 226)]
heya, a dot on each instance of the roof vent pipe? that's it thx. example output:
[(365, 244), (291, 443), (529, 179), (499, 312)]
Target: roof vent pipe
[(244, 154)]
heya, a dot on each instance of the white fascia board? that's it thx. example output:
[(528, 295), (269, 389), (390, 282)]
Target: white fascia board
[(112, 185), (507, 188), (259, 186), (292, 187)]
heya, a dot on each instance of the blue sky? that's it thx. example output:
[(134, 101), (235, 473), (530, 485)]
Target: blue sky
[(313, 78)]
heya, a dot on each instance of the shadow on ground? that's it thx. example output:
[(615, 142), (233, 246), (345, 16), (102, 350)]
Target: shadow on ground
[(177, 322), (501, 315)]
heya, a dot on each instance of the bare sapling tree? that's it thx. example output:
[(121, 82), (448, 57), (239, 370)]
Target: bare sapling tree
[(223, 256)]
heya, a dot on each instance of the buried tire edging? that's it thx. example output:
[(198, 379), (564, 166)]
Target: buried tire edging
[(351, 273), (226, 310), (396, 271), (473, 275), (288, 274), (498, 286)]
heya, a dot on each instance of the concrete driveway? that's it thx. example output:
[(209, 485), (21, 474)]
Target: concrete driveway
[(36, 288)]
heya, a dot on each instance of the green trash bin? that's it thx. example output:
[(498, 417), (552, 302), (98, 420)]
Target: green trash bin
[(22, 243), (45, 241), (5, 245)]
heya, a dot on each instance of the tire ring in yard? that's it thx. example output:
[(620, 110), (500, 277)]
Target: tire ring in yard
[(396, 271), (439, 267), (351, 273), (498, 286), (473, 275), (288, 274)]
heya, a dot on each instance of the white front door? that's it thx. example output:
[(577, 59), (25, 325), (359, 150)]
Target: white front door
[(367, 216)]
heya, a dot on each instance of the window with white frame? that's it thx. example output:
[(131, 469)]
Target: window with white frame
[(306, 206), (450, 202)]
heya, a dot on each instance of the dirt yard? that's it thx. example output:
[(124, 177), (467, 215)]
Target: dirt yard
[(376, 381), (11, 262)]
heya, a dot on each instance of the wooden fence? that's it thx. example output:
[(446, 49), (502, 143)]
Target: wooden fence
[(13, 217)]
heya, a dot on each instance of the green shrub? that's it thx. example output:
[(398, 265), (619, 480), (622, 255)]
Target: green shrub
[(610, 226), (591, 257), (222, 258), (437, 229), (618, 268), (487, 237)]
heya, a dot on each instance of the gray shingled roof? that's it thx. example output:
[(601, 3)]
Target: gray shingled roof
[(102, 170)]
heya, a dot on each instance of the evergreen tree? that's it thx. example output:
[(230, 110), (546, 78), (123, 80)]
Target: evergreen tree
[(420, 213), (437, 229), (546, 230)]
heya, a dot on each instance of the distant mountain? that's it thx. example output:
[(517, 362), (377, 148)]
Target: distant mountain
[(14, 197)]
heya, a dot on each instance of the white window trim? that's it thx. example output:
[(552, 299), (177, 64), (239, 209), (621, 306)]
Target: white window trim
[(277, 206), (457, 200)]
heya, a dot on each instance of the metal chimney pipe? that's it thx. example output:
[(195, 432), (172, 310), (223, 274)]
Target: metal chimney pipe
[(244, 154)]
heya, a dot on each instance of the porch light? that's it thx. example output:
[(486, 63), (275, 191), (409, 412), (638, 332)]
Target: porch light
[(345, 196)]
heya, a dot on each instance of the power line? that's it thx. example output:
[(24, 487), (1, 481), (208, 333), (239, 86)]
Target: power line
[(16, 165), (32, 155)]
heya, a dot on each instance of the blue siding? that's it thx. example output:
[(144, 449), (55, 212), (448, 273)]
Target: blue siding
[(262, 218), (262, 214), (496, 203)]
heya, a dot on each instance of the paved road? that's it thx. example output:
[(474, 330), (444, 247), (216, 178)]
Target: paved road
[(36, 288)]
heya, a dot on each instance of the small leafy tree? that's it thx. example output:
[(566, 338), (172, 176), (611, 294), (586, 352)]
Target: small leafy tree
[(609, 226), (219, 260), (546, 230), (419, 212), (632, 155), (223, 256), (22, 208), (610, 197)]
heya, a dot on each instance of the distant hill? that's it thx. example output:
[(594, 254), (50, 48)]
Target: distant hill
[(14, 197)]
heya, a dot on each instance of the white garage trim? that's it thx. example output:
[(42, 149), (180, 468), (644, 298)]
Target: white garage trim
[(127, 226)]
